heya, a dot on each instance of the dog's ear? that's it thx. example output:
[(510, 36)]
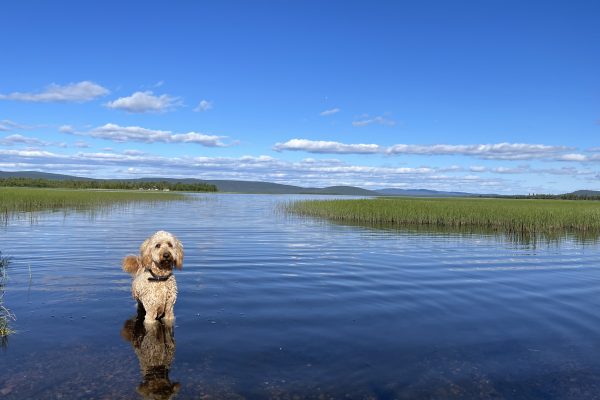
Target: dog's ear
[(131, 264), (178, 255), (146, 253)]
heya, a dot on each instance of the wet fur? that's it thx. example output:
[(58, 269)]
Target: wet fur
[(155, 298)]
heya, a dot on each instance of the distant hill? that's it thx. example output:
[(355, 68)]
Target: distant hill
[(585, 193), (255, 187), (593, 195), (346, 190), (258, 187), (232, 186), (228, 186), (422, 193)]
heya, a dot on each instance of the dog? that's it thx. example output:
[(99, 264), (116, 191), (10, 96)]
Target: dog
[(154, 286)]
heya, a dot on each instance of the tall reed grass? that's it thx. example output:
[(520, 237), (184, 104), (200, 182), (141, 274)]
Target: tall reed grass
[(15, 201), (510, 216)]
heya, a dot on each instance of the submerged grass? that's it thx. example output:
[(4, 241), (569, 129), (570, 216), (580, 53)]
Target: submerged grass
[(531, 218), (14, 201)]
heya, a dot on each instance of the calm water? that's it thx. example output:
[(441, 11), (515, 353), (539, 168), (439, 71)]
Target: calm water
[(275, 306)]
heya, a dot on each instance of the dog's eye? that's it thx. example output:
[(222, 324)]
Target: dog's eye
[(170, 244), (157, 246)]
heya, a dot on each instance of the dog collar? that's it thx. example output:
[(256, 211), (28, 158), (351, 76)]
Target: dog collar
[(157, 278)]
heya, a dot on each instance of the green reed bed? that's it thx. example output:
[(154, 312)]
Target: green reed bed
[(514, 217), (15, 201)]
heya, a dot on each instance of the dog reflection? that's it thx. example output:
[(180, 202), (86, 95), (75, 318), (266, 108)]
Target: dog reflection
[(154, 345)]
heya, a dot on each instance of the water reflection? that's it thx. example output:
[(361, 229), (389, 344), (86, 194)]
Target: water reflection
[(92, 211), (276, 306), (520, 238), (154, 346)]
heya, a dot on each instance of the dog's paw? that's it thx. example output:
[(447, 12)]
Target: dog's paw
[(150, 321)]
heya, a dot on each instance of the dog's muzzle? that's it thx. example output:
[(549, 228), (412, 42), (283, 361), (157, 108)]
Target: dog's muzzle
[(166, 261)]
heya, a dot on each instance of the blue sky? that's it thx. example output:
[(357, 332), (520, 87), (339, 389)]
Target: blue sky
[(479, 96)]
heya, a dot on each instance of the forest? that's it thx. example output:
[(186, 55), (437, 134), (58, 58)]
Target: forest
[(107, 184)]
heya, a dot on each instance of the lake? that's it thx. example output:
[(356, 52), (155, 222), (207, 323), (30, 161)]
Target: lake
[(272, 305)]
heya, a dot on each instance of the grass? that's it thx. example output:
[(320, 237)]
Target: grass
[(5, 314), (14, 201), (530, 218)]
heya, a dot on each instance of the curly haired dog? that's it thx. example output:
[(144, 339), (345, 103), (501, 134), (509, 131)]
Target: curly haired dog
[(154, 286)]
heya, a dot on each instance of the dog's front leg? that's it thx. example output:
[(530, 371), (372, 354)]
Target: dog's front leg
[(169, 311), (151, 314)]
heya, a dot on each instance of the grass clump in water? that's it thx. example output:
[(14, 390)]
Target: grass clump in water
[(5, 314), (514, 217)]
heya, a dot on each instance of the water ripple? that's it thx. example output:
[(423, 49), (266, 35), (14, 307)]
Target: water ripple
[(274, 304)]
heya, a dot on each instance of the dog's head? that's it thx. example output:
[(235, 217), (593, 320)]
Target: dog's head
[(163, 251)]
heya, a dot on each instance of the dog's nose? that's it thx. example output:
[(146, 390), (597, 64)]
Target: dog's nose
[(166, 255)]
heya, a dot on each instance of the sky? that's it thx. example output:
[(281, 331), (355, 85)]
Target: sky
[(487, 96)]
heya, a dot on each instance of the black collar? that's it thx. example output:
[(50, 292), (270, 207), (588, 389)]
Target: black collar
[(157, 278)]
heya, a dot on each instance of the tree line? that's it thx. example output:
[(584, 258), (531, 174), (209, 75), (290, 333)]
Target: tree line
[(107, 184), (566, 196)]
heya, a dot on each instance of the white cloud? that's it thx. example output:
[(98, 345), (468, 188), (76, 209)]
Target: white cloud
[(20, 139), (204, 105), (31, 142), (38, 154), (572, 157), (451, 168), (73, 92), (145, 102), (379, 120), (499, 151), (8, 125), (321, 146), (512, 170), (199, 138), (329, 112), (133, 152), (308, 172), (66, 129), (569, 171), (138, 134), (477, 168), (81, 144), (526, 169)]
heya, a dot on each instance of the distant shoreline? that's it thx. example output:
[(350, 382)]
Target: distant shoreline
[(106, 184)]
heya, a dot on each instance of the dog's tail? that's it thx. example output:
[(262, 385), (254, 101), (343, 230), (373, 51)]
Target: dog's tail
[(131, 264)]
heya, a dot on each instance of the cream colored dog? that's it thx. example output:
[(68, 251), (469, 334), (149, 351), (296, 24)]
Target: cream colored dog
[(154, 286)]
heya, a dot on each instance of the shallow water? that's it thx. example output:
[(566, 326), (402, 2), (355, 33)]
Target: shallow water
[(275, 306)]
